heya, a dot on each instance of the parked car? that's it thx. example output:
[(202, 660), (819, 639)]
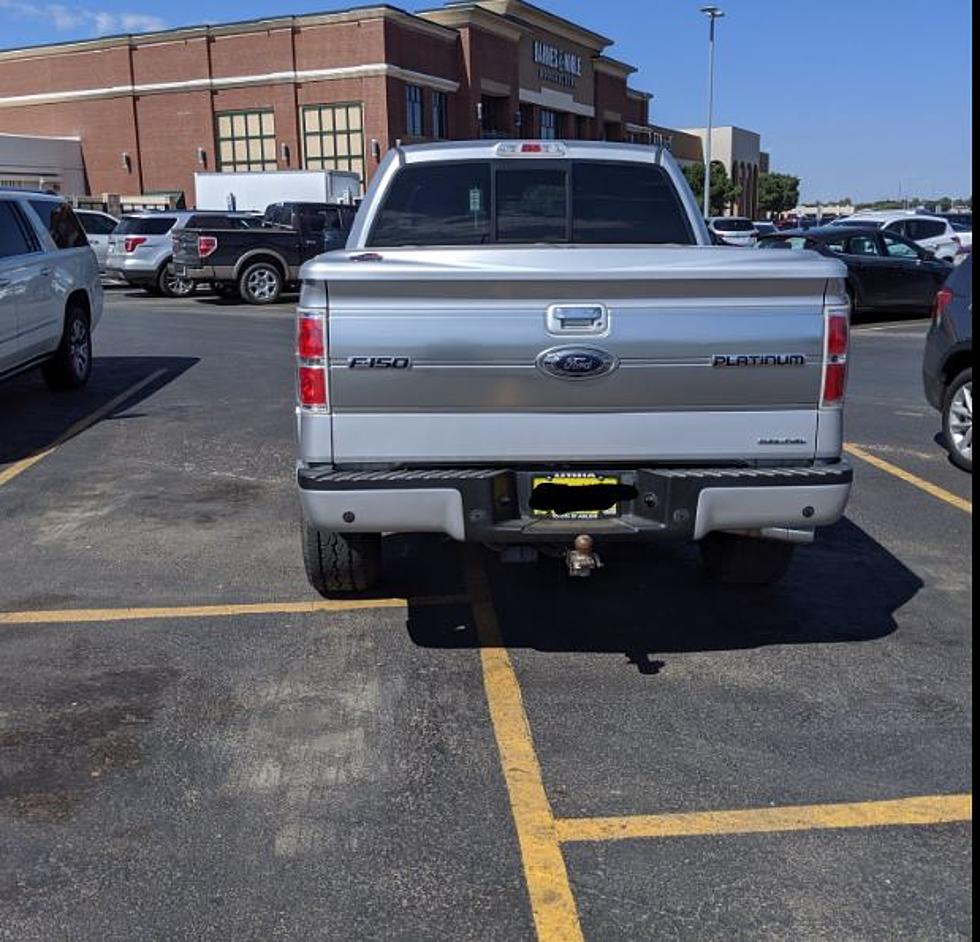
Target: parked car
[(885, 271), (141, 246), (930, 232), (98, 227), (50, 290), (466, 379), (262, 262), (947, 367), (733, 230), (765, 227)]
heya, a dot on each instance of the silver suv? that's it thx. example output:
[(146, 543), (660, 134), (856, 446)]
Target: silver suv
[(50, 292), (141, 253)]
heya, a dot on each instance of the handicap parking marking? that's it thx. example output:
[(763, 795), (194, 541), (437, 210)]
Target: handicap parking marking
[(8, 473), (920, 810), (922, 484), (83, 615)]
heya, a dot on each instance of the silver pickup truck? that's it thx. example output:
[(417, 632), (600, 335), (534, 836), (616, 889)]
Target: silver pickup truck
[(535, 345)]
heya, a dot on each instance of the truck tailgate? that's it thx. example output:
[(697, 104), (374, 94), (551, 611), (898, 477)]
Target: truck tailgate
[(587, 355)]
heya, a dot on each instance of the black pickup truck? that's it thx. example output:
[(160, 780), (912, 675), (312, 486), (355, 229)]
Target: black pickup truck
[(259, 264)]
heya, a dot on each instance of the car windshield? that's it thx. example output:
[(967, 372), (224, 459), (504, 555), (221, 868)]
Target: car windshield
[(145, 225), (733, 225)]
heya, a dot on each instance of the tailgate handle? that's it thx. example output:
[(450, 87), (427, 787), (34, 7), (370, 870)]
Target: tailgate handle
[(581, 318)]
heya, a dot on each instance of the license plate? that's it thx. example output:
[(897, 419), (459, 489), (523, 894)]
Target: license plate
[(575, 480)]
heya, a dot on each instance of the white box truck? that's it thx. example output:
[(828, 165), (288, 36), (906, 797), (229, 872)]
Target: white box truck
[(255, 191)]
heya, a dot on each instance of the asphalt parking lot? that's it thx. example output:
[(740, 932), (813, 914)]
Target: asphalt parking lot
[(194, 745)]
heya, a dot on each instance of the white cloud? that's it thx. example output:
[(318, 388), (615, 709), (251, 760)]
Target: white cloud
[(99, 22)]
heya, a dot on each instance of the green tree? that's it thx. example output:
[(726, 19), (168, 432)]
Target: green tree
[(723, 191), (778, 192)]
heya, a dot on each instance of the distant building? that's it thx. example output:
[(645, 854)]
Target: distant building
[(42, 163), (738, 149)]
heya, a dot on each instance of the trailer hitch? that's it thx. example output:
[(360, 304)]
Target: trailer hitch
[(581, 559)]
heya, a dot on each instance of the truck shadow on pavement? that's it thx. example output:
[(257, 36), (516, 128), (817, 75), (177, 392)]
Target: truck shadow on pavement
[(654, 600), (33, 418)]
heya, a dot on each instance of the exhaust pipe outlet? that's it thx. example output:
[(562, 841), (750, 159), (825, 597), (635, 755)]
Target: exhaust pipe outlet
[(581, 559), (780, 534)]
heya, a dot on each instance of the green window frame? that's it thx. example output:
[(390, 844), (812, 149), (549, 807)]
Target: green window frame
[(246, 140), (333, 136)]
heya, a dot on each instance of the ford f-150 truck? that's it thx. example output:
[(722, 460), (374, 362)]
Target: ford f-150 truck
[(530, 343), (260, 262)]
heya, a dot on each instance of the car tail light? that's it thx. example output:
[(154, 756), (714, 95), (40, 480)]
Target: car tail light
[(943, 299), (133, 242), (836, 330), (311, 360), (206, 245)]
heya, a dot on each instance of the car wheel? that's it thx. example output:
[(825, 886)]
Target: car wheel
[(341, 562), (71, 365), (958, 420), (170, 285), (745, 560), (260, 283)]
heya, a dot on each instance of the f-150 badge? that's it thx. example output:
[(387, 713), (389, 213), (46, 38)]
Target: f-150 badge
[(758, 359)]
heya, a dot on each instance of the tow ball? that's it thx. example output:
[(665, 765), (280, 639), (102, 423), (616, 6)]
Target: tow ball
[(581, 559)]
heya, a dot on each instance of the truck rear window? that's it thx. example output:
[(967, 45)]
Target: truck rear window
[(510, 202)]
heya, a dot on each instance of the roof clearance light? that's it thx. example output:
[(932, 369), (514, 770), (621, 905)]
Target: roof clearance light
[(542, 148)]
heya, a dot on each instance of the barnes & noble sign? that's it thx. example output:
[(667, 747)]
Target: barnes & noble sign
[(555, 65)]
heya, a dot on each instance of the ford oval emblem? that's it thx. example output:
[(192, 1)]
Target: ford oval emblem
[(577, 362)]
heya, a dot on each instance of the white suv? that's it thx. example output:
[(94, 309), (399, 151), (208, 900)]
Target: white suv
[(50, 292), (931, 232)]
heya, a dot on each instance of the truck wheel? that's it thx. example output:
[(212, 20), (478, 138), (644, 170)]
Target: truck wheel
[(260, 283), (71, 365), (169, 285), (958, 420), (341, 562), (744, 560)]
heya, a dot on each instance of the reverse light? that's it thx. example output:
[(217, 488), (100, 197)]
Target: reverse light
[(942, 301), (206, 245), (133, 242), (311, 360), (836, 331)]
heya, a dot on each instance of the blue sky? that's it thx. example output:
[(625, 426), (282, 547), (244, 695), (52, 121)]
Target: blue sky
[(859, 98)]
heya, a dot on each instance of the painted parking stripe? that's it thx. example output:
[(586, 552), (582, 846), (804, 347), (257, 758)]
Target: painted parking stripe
[(81, 615), (921, 483), (923, 810), (552, 903), (18, 467)]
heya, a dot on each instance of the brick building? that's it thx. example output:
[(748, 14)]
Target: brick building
[(331, 90)]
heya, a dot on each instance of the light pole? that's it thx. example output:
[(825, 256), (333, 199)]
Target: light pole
[(712, 13)]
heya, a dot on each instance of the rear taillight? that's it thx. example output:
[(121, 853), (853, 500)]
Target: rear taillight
[(311, 360), (836, 321), (942, 301), (133, 242), (206, 245)]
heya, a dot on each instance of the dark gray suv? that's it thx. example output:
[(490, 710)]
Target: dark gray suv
[(947, 368)]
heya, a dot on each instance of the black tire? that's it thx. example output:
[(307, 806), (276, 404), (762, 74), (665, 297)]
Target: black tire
[(963, 383), (170, 286), (341, 562), (71, 365), (261, 283), (744, 560)]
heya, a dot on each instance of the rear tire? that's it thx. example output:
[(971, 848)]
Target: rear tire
[(71, 365), (170, 286), (958, 420), (745, 560), (341, 562), (261, 283)]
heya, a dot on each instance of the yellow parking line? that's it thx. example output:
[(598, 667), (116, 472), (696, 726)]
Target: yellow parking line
[(934, 489), (18, 467), (552, 903), (926, 809), (79, 615)]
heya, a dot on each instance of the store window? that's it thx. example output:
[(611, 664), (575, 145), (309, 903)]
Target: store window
[(440, 115), (549, 124), (333, 137), (246, 140), (413, 111)]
